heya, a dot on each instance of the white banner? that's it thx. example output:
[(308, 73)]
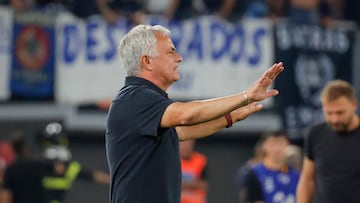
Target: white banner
[(6, 23), (219, 58)]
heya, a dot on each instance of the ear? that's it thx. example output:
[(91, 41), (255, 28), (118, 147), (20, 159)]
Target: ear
[(355, 104), (145, 59), (146, 62)]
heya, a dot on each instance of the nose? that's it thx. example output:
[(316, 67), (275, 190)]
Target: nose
[(334, 118), (178, 58)]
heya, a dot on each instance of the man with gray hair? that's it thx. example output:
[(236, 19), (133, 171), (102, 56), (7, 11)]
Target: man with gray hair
[(144, 126)]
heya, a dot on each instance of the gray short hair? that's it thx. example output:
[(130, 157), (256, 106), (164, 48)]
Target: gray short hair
[(139, 41)]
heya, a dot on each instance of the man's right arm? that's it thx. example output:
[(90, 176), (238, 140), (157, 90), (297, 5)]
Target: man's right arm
[(306, 184)]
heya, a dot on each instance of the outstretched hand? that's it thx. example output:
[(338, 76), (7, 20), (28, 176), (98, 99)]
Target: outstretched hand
[(259, 91)]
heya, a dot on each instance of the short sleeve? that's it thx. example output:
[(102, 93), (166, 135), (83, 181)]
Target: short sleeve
[(308, 144), (149, 107), (253, 188), (241, 174), (7, 180)]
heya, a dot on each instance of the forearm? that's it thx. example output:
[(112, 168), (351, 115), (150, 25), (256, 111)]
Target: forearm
[(305, 191), (198, 112), (201, 130), (213, 126), (218, 107)]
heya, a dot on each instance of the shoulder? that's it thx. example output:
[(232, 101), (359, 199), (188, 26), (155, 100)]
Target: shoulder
[(251, 176), (257, 170), (317, 130), (258, 167), (141, 93), (318, 127), (132, 90)]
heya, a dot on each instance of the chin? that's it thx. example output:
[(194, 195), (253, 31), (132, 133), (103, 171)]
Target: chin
[(338, 129), (176, 78)]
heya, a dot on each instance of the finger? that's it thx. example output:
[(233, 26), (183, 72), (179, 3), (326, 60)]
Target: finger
[(253, 107), (274, 71), (269, 73), (266, 81), (249, 109), (257, 108), (272, 92), (280, 68)]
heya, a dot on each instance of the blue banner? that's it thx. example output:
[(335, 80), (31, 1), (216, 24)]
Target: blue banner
[(32, 68)]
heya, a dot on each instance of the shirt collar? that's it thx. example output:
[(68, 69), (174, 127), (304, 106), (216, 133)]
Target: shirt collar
[(133, 80)]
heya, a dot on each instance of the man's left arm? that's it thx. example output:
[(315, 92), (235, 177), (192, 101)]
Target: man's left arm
[(213, 126)]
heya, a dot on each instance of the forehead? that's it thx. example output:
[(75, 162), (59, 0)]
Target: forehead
[(339, 103), (164, 40), (272, 139)]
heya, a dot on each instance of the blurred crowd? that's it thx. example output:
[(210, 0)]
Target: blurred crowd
[(307, 11), (27, 177)]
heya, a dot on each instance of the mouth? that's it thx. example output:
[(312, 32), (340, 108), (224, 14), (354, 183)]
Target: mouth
[(338, 126)]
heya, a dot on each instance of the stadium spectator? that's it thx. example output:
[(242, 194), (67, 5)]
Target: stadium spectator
[(351, 12), (230, 10), (294, 157), (7, 156), (181, 10), (272, 181), (112, 11), (194, 182), (22, 5), (55, 143), (331, 168), (304, 11), (244, 170), (23, 178), (271, 9)]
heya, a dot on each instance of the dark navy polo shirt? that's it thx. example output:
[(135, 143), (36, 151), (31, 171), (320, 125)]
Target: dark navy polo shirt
[(143, 158)]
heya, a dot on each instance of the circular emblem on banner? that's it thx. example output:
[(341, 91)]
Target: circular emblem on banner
[(32, 47), (312, 71)]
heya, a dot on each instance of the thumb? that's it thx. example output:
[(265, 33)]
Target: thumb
[(255, 107), (247, 110)]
